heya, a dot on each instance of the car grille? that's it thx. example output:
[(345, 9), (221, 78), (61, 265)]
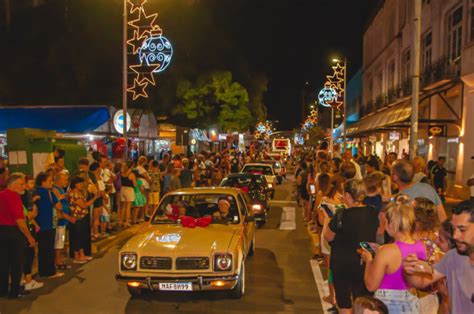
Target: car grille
[(188, 263), (152, 262)]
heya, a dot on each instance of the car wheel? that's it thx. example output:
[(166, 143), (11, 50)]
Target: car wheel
[(239, 289), (135, 292), (252, 246)]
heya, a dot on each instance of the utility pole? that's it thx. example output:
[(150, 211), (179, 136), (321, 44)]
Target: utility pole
[(125, 76), (415, 79)]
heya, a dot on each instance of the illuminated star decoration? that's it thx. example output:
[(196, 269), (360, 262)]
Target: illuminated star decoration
[(138, 89), (336, 82), (152, 50), (136, 5)]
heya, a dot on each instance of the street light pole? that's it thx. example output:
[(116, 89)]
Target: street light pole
[(415, 79), (125, 75)]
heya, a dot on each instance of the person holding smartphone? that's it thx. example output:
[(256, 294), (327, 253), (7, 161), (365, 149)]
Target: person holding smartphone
[(384, 272)]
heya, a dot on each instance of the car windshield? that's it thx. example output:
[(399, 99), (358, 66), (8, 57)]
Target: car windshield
[(222, 208), (257, 169), (240, 182)]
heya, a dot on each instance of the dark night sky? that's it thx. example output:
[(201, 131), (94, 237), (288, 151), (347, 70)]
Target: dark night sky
[(293, 41)]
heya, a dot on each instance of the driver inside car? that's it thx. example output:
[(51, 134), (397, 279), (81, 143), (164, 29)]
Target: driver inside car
[(223, 212)]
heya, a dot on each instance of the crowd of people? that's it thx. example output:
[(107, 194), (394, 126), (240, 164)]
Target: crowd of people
[(384, 233), (40, 215)]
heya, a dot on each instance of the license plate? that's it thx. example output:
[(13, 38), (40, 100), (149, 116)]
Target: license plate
[(176, 286)]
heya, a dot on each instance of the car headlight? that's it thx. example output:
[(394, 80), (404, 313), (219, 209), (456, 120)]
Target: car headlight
[(222, 262), (129, 261), (257, 208), (270, 185)]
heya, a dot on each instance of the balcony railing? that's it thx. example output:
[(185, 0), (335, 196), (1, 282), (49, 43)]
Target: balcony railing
[(441, 70)]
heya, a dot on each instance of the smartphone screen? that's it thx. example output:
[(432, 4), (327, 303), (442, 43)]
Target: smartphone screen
[(312, 188), (366, 246), (327, 210)]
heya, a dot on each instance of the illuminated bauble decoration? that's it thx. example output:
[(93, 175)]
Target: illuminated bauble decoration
[(261, 128), (156, 51), (326, 96)]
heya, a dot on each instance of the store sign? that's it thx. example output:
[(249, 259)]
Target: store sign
[(437, 130), (394, 136), (119, 121)]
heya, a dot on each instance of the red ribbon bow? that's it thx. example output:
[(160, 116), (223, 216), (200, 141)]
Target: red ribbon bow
[(191, 222)]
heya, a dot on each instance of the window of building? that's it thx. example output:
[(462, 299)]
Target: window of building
[(391, 75), (455, 34), (406, 64), (379, 83), (427, 50)]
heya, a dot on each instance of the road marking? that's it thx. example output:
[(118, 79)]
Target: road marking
[(288, 221), (323, 288)]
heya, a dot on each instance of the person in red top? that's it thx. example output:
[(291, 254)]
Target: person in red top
[(13, 231)]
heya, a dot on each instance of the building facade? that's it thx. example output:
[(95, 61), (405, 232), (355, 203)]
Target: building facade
[(446, 103)]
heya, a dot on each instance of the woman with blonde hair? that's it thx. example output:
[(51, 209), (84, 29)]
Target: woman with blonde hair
[(384, 272)]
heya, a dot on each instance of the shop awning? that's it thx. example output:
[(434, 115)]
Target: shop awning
[(61, 119), (382, 119)]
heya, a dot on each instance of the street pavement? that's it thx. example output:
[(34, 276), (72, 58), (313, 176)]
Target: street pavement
[(279, 279)]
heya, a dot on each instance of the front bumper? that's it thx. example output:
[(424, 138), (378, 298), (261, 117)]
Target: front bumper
[(199, 283)]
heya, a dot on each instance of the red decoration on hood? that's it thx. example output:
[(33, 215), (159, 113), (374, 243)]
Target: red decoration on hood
[(190, 222)]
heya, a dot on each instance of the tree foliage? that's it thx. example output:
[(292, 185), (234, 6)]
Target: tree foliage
[(214, 100)]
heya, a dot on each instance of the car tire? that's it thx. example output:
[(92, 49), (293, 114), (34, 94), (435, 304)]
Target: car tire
[(239, 289), (252, 247), (135, 292)]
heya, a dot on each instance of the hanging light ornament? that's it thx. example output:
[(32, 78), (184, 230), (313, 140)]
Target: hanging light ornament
[(154, 51)]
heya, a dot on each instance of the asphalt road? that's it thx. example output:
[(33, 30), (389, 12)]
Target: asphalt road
[(279, 280)]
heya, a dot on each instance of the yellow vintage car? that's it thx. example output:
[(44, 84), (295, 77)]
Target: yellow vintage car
[(198, 239)]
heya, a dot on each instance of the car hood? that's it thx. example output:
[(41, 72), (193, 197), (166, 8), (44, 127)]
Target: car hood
[(176, 240)]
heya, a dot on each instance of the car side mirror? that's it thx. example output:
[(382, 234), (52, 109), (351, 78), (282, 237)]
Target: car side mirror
[(249, 219)]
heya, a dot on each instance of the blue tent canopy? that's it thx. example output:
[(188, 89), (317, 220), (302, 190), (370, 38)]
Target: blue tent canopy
[(78, 119)]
